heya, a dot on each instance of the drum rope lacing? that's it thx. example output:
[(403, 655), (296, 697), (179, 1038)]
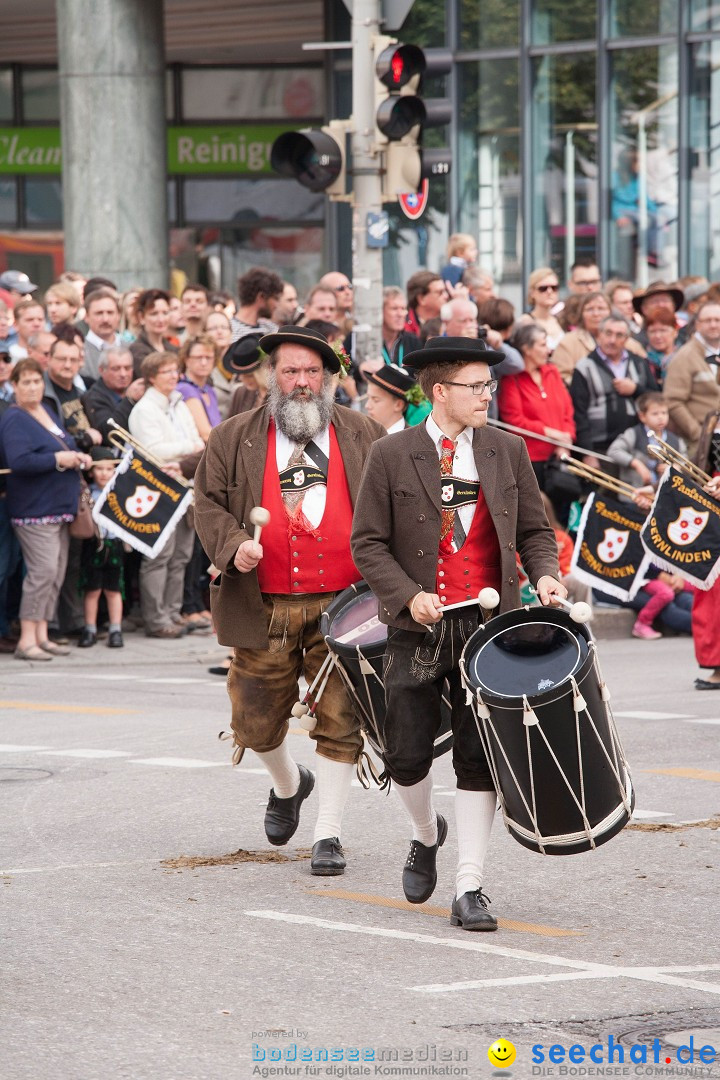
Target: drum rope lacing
[(481, 711)]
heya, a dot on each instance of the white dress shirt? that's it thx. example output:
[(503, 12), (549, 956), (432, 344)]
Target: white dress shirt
[(399, 425), (463, 463), (313, 505)]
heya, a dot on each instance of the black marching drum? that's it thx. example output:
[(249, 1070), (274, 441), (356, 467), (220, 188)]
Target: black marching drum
[(543, 714), (356, 638)]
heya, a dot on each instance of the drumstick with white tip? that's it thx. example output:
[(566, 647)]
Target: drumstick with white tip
[(259, 517), (580, 612), (487, 598)]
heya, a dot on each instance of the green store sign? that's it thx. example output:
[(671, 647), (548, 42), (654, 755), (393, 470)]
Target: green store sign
[(241, 149)]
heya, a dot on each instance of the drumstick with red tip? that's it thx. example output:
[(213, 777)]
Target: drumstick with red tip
[(259, 517), (580, 612), (486, 598)]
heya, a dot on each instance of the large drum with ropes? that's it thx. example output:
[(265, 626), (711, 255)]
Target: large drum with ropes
[(543, 714), (356, 639)]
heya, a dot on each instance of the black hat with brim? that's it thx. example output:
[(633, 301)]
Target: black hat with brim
[(392, 379), (245, 354), (453, 350), (309, 339)]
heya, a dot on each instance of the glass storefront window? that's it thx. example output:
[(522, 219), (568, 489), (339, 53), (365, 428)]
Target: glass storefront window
[(425, 24), (243, 94), (40, 95), (632, 18), (43, 202), (6, 95), (705, 160), (644, 181), (8, 201), (488, 24), (489, 165), (244, 201), (563, 20), (704, 15), (564, 162)]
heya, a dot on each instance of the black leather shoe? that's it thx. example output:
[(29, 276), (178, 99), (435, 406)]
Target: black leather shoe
[(282, 816), (706, 684), (420, 872), (87, 639), (115, 640), (470, 912), (327, 858)]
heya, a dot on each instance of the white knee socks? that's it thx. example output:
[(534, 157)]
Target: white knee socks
[(334, 779), (283, 770), (474, 813), (418, 804)]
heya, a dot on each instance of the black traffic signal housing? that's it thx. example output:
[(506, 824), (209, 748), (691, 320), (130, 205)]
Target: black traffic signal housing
[(402, 114), (315, 157)]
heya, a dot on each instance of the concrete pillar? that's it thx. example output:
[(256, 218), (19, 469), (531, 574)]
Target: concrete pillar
[(112, 109)]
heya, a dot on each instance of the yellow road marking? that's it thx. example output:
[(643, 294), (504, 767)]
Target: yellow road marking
[(442, 912), (38, 706), (689, 774)]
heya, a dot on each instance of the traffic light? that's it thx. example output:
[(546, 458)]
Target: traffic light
[(402, 114), (315, 157)]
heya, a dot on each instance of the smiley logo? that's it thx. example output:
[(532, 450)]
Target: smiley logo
[(501, 1053)]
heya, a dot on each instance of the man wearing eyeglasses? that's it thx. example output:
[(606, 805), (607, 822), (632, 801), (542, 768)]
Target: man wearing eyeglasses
[(344, 296), (443, 507)]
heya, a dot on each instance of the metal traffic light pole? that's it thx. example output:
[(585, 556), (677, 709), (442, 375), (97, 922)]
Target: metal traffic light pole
[(366, 183)]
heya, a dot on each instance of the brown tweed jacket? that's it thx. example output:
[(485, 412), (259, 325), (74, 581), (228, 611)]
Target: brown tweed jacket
[(228, 483), (396, 527)]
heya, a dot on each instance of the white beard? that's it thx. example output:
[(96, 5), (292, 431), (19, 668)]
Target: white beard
[(301, 415)]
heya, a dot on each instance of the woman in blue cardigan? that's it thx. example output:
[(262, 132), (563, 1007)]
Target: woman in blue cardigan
[(43, 489)]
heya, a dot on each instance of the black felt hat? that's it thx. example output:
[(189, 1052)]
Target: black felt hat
[(453, 350), (392, 379), (245, 354), (309, 339)]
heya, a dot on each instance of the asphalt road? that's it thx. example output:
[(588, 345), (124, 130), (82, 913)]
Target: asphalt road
[(137, 944)]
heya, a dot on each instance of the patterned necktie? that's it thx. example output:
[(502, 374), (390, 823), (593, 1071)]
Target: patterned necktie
[(293, 499), (452, 534)]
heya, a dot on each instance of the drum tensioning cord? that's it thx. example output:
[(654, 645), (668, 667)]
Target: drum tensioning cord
[(579, 706)]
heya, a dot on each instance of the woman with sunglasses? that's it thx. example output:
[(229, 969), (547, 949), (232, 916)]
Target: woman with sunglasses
[(543, 288)]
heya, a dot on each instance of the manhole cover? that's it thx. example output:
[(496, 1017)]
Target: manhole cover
[(20, 772), (700, 1036)]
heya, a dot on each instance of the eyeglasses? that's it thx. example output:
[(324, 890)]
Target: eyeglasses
[(168, 371), (343, 288), (547, 288), (591, 282), (477, 388)]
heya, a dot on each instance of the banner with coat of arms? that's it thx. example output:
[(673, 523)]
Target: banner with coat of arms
[(141, 504), (608, 551), (682, 531)]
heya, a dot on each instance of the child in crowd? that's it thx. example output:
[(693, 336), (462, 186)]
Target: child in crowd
[(101, 565), (639, 468), (631, 449)]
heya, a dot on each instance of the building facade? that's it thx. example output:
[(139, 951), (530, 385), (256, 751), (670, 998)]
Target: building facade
[(579, 128)]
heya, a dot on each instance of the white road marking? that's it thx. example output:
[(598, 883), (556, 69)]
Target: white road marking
[(86, 753), (180, 763), (643, 715), (578, 968), (698, 720), (648, 814), (15, 748)]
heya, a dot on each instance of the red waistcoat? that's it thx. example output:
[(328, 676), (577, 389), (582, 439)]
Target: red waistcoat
[(463, 574), (300, 560)]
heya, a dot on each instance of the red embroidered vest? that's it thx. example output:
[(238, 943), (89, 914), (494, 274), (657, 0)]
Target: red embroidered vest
[(307, 562), (463, 574)]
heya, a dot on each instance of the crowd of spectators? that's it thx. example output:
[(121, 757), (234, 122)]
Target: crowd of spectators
[(605, 369)]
